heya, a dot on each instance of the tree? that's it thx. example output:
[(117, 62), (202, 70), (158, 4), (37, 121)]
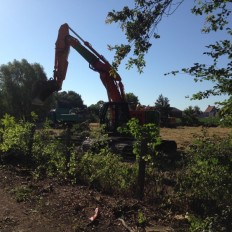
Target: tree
[(190, 116), (134, 100), (130, 97), (219, 73), (139, 24), (69, 99), (197, 110), (162, 104), (16, 81), (94, 110)]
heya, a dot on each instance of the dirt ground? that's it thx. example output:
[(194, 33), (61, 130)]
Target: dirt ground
[(52, 206)]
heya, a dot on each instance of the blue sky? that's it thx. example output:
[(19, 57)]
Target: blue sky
[(29, 30)]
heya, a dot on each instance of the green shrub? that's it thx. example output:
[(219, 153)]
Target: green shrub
[(16, 140), (206, 182), (52, 156), (226, 121), (22, 193), (106, 171), (190, 120), (210, 121), (39, 149), (48, 156)]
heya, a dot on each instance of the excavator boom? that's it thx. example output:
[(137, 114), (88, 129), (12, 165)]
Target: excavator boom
[(112, 83)]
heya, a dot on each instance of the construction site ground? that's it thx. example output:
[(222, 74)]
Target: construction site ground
[(50, 205)]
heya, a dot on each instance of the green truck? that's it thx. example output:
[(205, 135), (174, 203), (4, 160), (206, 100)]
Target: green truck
[(61, 116)]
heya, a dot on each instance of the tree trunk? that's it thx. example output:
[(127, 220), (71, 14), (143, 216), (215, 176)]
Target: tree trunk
[(141, 171)]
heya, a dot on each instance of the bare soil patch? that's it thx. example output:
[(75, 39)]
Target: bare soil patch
[(52, 206)]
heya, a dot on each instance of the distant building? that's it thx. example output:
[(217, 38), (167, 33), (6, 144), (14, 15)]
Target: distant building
[(210, 111), (176, 113)]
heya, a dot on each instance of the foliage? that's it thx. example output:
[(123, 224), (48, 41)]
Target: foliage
[(190, 117), (22, 193), (204, 184), (142, 220), (131, 98), (106, 171), (226, 121), (16, 139), (225, 112), (37, 149), (206, 181), (16, 81), (163, 106), (139, 24), (69, 99), (94, 110), (219, 72), (49, 155), (212, 121), (146, 141), (147, 132)]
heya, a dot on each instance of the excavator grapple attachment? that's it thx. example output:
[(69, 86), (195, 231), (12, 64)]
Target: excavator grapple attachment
[(42, 90)]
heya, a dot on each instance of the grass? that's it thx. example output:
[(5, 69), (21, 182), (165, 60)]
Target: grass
[(185, 135)]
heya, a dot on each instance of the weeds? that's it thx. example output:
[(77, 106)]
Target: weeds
[(22, 193), (206, 181), (203, 187)]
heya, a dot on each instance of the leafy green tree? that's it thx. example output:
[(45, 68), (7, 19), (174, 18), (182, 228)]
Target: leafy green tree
[(16, 81), (69, 99), (139, 24), (197, 110), (192, 110), (190, 116), (189, 111), (94, 110), (162, 104), (219, 72), (146, 141), (132, 99)]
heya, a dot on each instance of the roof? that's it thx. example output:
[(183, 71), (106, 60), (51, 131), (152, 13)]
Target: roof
[(175, 109), (210, 109)]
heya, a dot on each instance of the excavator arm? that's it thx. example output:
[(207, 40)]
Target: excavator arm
[(112, 83)]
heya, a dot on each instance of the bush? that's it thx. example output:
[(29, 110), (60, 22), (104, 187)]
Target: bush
[(226, 121), (40, 150), (106, 171), (206, 182), (210, 121), (49, 155), (190, 120), (16, 140)]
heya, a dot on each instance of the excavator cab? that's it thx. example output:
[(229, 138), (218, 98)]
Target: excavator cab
[(114, 115), (42, 90)]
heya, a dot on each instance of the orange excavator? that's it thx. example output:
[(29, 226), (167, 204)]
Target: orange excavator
[(114, 113), (117, 110)]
